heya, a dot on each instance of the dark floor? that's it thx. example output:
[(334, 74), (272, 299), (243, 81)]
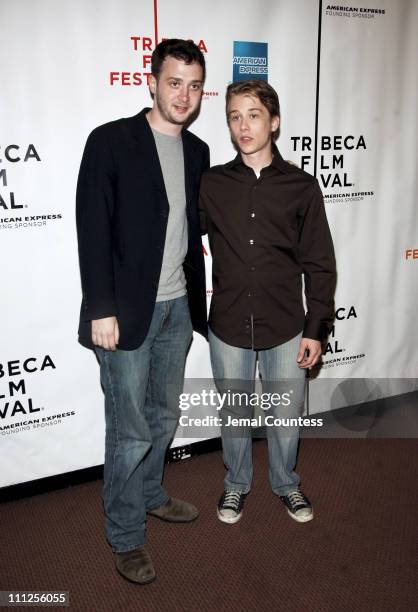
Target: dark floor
[(359, 553)]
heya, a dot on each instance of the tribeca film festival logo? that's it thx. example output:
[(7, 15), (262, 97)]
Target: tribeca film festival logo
[(331, 165), (18, 412), (11, 208), (250, 61), (142, 48), (335, 353), (411, 254), (359, 12)]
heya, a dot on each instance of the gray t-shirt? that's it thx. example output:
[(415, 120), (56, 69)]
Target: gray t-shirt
[(172, 283)]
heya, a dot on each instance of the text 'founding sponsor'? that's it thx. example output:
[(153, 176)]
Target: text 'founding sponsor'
[(335, 10)]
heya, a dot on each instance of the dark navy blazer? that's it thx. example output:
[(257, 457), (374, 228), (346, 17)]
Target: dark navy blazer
[(122, 213)]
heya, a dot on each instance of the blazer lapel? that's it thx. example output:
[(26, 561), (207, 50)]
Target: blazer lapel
[(149, 157), (188, 169), (148, 150)]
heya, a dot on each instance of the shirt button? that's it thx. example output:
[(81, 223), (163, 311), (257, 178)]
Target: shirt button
[(252, 215), (252, 269), (249, 294), (251, 241)]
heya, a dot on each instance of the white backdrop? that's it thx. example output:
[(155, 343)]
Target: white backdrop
[(70, 66)]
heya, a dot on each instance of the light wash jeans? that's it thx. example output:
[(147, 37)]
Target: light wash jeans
[(141, 408), (234, 369)]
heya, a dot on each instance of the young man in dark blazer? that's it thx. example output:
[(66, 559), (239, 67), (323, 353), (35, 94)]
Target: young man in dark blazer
[(143, 282)]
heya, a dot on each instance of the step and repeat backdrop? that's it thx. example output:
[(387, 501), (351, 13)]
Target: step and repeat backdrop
[(70, 66)]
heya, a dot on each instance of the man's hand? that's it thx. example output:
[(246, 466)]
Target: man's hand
[(105, 333), (309, 353)]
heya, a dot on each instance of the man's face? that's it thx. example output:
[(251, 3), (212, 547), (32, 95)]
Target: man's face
[(250, 124), (178, 90)]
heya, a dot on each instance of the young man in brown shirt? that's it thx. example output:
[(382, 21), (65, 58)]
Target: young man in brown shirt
[(267, 227)]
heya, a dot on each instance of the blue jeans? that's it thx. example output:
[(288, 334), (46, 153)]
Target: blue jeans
[(141, 409), (234, 369)]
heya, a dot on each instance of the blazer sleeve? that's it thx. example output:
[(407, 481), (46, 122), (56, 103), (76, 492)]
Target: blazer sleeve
[(203, 218), (201, 205), (206, 159), (95, 203)]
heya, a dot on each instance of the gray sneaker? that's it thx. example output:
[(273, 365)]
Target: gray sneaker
[(230, 506), (298, 506)]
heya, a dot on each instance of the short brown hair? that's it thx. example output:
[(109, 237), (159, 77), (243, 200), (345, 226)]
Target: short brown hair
[(180, 49), (260, 89)]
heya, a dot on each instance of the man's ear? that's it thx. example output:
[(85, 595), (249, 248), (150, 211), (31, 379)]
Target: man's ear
[(152, 84), (275, 122)]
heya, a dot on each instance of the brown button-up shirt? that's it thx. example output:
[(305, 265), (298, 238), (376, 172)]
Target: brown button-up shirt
[(264, 234)]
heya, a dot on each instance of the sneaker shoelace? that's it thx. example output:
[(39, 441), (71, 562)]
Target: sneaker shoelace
[(232, 499), (296, 498)]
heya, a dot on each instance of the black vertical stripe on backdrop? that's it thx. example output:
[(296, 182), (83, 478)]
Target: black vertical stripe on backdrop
[(318, 64)]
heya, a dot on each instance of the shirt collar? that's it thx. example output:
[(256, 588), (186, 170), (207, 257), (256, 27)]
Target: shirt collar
[(277, 162)]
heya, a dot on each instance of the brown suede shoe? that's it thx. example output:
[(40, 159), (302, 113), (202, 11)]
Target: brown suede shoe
[(175, 511), (135, 565)]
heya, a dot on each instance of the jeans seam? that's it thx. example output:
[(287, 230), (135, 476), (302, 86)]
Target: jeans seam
[(116, 443), (164, 315)]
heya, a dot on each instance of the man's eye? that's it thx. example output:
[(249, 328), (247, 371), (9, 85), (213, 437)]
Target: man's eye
[(174, 83), (196, 86), (234, 117), (253, 115)]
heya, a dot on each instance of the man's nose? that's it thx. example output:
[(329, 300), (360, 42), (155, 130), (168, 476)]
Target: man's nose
[(184, 94)]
